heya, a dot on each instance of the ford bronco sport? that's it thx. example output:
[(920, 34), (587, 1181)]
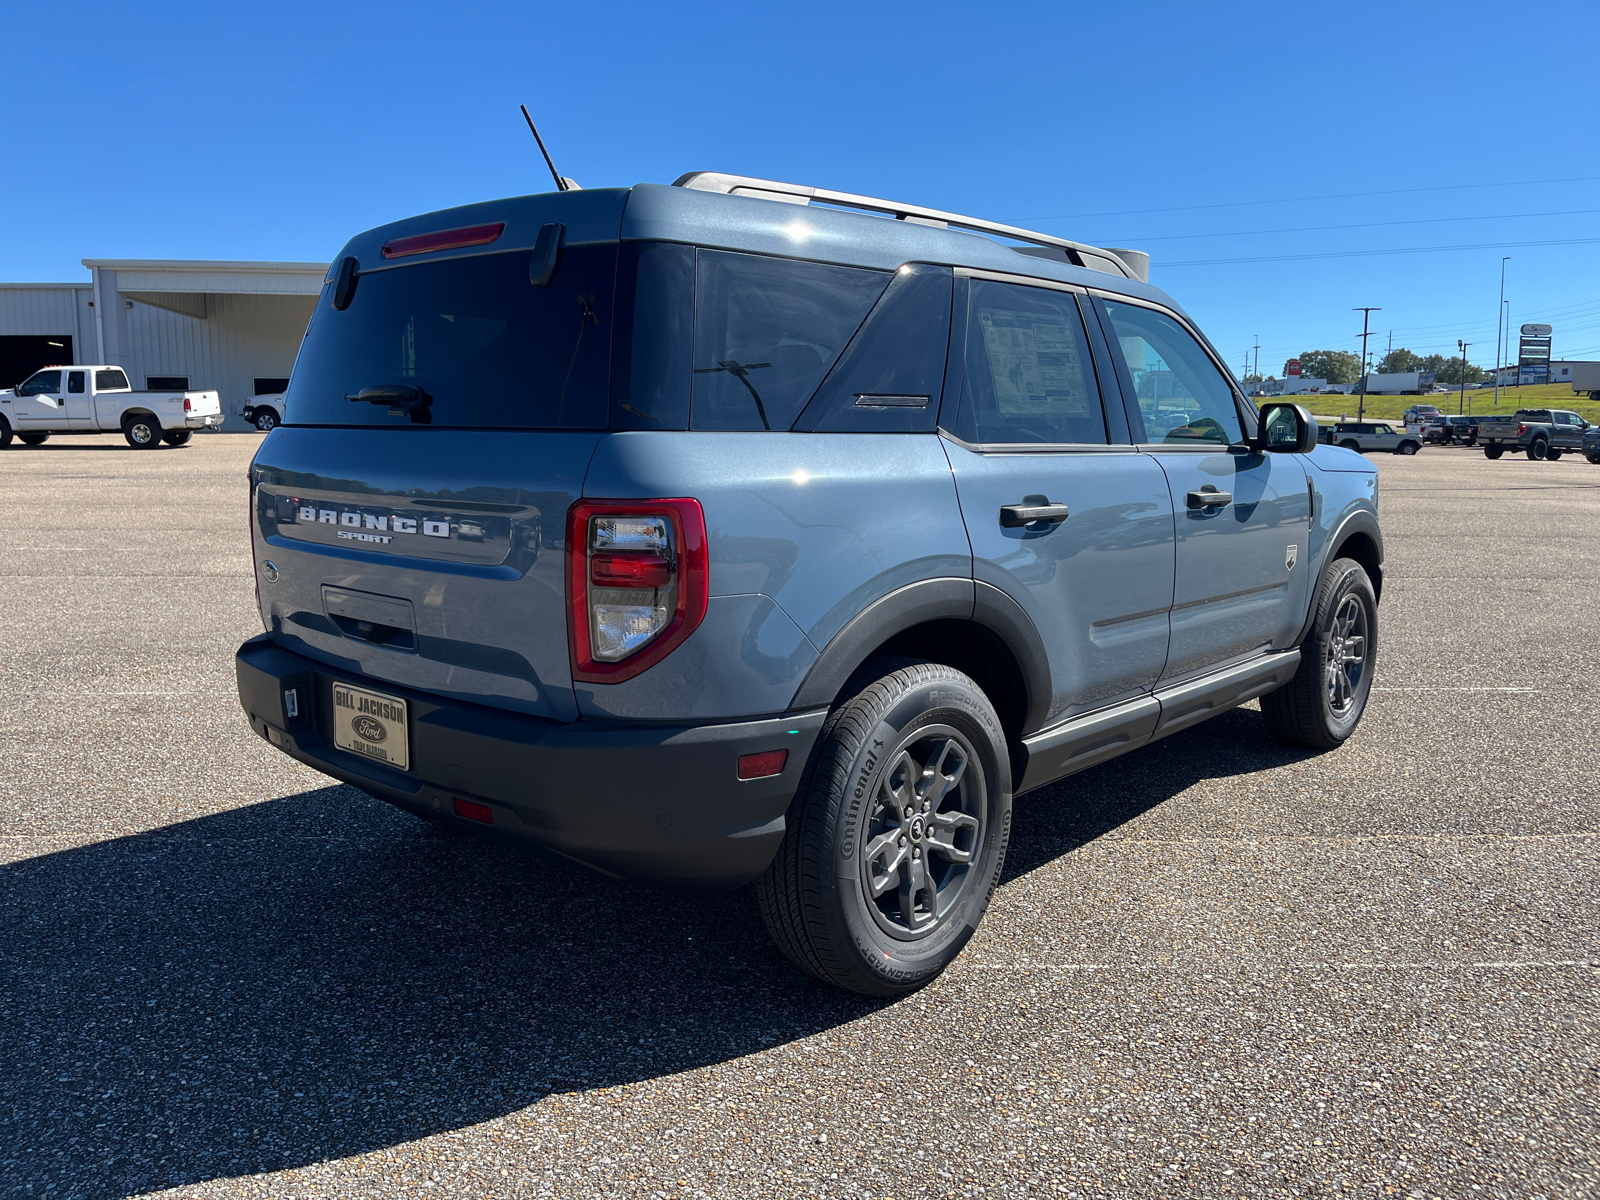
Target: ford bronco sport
[(738, 532)]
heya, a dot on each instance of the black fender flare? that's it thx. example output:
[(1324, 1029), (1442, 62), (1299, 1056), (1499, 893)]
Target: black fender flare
[(916, 604), (1360, 521)]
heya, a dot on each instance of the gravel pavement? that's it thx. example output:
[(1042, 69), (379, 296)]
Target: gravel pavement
[(1216, 967)]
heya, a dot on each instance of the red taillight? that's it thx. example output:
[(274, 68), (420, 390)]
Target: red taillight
[(630, 570), (473, 812), (759, 766), (187, 407), (444, 239), (1521, 429), (637, 583)]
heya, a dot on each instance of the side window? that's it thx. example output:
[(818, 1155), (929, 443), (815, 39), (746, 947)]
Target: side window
[(1028, 372), (110, 378), (1183, 398), (41, 383), (766, 331), (74, 381), (889, 378)]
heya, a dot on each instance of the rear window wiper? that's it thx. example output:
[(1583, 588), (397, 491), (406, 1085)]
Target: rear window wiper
[(402, 400)]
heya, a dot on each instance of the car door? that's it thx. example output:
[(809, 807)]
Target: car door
[(38, 401), (1242, 581), (1064, 515), (76, 401)]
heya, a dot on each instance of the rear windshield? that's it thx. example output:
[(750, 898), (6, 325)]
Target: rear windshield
[(477, 343)]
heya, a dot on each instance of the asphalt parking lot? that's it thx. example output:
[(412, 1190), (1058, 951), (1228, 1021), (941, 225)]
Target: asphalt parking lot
[(1217, 967)]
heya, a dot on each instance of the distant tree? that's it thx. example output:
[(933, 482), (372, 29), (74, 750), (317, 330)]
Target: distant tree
[(1397, 362), (1336, 366), (1447, 369)]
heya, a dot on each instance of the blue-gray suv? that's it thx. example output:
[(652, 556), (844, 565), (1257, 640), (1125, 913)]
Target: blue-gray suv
[(738, 532)]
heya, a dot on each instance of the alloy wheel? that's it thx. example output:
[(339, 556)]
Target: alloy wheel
[(1346, 666), (922, 832)]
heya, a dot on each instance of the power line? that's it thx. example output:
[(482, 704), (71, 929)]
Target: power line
[(1449, 187), (1217, 262), (1178, 237)]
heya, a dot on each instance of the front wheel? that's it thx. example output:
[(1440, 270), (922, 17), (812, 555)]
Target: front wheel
[(266, 420), (33, 439), (896, 837), (1321, 706), (177, 437), (1594, 458), (1407, 448), (1538, 449), (142, 433), (1492, 452)]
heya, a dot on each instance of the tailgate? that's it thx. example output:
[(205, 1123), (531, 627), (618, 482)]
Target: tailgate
[(431, 560)]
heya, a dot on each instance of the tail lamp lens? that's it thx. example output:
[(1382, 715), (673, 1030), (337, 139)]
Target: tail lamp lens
[(187, 407), (637, 583)]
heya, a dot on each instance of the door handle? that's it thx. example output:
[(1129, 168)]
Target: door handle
[(1015, 516), (1209, 497)]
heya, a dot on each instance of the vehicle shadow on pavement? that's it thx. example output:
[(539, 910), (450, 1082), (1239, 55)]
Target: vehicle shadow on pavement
[(321, 975), (1057, 819)]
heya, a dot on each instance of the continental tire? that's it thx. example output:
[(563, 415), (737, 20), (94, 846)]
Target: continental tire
[(1322, 705), (1537, 449), (1493, 452), (896, 838), (142, 432)]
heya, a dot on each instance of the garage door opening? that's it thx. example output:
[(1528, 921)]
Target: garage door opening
[(21, 356)]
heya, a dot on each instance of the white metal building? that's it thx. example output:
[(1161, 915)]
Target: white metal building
[(232, 326)]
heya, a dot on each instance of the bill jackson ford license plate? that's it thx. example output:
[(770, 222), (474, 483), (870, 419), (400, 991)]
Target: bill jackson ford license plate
[(370, 724)]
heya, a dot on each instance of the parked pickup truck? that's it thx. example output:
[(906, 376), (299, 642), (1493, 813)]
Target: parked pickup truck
[(97, 399), (1591, 444), (1540, 433), (266, 413)]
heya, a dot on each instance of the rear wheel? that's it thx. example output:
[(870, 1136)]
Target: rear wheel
[(1538, 449), (177, 437), (143, 432), (1351, 444), (1321, 706), (5, 433), (266, 420), (33, 439), (1493, 451), (896, 837)]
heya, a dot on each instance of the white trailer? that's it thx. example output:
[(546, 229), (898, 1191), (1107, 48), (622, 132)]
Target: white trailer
[(1400, 383)]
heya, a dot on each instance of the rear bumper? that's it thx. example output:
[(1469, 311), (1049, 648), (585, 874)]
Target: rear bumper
[(656, 803), (197, 421)]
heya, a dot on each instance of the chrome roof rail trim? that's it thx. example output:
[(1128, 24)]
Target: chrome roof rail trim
[(794, 193)]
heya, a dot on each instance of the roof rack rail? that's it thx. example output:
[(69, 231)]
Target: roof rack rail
[(1077, 253)]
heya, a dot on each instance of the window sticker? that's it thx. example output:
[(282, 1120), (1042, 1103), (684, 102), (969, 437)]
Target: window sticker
[(1034, 365)]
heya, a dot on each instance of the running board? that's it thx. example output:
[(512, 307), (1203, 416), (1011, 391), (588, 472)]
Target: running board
[(1086, 741)]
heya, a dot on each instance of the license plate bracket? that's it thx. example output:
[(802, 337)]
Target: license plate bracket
[(371, 724)]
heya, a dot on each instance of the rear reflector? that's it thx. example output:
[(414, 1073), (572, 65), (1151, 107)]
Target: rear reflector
[(445, 239), (474, 812), (630, 570), (759, 766)]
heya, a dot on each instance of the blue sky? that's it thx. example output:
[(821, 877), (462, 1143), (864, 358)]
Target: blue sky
[(276, 131)]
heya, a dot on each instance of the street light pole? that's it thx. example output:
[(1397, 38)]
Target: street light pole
[(1462, 402), (1258, 356), (1361, 405), (1499, 314)]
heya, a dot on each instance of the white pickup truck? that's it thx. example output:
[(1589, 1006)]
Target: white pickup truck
[(97, 399)]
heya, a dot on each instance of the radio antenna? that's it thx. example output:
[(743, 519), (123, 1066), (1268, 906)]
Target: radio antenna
[(561, 184)]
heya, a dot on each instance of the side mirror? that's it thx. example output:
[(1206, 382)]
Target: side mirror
[(1287, 429)]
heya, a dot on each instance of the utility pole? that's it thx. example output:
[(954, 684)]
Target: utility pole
[(1462, 402), (1258, 356), (1499, 315), (1366, 314)]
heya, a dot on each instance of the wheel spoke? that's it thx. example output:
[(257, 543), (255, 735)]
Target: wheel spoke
[(905, 769), (942, 833), (894, 872), (913, 882), (936, 779)]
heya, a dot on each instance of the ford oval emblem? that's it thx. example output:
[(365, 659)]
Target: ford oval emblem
[(269, 571), (369, 729)]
